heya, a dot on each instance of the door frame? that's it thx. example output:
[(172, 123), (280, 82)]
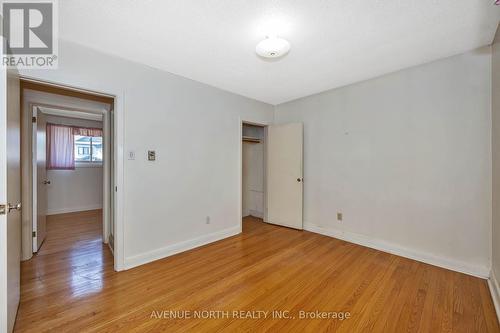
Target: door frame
[(34, 178), (118, 156), (242, 122)]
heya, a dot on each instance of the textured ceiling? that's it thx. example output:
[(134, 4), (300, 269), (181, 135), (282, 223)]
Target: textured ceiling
[(334, 43)]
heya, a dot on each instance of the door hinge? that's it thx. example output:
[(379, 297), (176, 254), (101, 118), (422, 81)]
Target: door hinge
[(33, 119), (116, 188), (33, 234)]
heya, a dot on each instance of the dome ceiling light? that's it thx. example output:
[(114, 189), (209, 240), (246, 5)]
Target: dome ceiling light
[(272, 47)]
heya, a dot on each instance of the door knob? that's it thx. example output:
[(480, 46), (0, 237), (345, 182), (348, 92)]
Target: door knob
[(11, 207), (4, 209), (46, 182), (299, 179)]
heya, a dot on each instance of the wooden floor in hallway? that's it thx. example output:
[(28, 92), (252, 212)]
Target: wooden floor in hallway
[(70, 286)]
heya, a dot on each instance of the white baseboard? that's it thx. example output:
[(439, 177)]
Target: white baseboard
[(495, 292), (448, 263), (167, 251), (73, 209)]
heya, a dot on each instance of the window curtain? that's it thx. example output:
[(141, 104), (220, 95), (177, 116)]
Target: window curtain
[(60, 147), (85, 131)]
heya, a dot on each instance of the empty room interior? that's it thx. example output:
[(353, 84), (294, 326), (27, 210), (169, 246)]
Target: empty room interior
[(250, 166)]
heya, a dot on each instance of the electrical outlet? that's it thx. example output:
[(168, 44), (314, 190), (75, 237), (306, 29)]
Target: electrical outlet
[(207, 221), (339, 216)]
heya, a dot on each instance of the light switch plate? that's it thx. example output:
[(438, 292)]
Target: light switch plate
[(151, 155), (131, 155)]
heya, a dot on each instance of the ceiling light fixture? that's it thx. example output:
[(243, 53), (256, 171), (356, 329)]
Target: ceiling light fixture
[(272, 47)]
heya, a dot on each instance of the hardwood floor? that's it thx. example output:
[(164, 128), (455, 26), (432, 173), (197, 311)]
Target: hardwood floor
[(70, 286)]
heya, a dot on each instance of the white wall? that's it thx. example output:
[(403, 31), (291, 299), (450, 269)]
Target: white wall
[(195, 130), (495, 110), (407, 159), (74, 190), (253, 173)]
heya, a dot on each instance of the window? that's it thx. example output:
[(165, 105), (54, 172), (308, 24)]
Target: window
[(69, 144), (88, 148), (83, 150)]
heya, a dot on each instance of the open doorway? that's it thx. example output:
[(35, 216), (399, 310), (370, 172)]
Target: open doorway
[(67, 165), (68, 173)]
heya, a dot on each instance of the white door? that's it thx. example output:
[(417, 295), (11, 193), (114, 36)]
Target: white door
[(284, 175), (10, 198), (39, 179)]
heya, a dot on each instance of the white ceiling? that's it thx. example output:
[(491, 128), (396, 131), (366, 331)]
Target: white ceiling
[(334, 42)]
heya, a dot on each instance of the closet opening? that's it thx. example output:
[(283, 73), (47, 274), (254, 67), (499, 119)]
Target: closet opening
[(253, 182)]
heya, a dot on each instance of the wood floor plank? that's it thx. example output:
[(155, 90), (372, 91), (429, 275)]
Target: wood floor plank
[(70, 286)]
